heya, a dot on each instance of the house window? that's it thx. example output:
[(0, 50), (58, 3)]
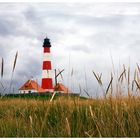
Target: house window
[(29, 91)]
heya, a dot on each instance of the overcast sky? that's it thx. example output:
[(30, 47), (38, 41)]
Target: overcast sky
[(83, 38)]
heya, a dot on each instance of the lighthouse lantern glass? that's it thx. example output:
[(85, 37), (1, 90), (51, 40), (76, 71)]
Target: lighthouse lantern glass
[(46, 43)]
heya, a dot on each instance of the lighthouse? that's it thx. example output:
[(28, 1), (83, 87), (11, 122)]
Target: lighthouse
[(47, 82)]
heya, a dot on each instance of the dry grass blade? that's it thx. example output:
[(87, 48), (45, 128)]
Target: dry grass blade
[(31, 120), (97, 78), (112, 62), (128, 76), (72, 72), (88, 134), (109, 85), (93, 117), (124, 70), (128, 82), (121, 75), (100, 78), (135, 73), (138, 86), (80, 90), (14, 65), (68, 127), (60, 72), (133, 84), (43, 123), (91, 112), (138, 78), (52, 96), (122, 79), (2, 67), (86, 93), (138, 68), (2, 85), (15, 61)]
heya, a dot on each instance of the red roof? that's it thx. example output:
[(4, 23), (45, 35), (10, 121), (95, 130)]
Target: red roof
[(60, 87), (32, 85)]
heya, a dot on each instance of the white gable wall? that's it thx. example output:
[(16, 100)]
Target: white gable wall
[(28, 91)]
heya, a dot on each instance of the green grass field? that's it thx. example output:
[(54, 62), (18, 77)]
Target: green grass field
[(70, 117)]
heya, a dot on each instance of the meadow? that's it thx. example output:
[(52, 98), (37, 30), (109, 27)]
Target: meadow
[(70, 117)]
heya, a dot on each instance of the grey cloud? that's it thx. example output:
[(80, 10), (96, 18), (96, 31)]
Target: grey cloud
[(87, 31)]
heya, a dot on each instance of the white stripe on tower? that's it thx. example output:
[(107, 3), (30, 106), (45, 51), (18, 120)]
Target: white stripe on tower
[(47, 57), (47, 82), (47, 74)]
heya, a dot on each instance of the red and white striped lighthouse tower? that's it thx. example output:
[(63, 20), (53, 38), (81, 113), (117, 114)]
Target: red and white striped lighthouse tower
[(47, 82)]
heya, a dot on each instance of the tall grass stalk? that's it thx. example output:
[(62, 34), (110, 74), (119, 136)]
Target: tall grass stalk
[(13, 69), (2, 67), (2, 73)]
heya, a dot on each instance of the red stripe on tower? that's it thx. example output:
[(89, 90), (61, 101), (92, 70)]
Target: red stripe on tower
[(46, 50), (47, 82), (47, 65)]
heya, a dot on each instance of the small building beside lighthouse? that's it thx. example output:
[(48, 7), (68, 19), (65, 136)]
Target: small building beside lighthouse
[(31, 86), (60, 88)]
